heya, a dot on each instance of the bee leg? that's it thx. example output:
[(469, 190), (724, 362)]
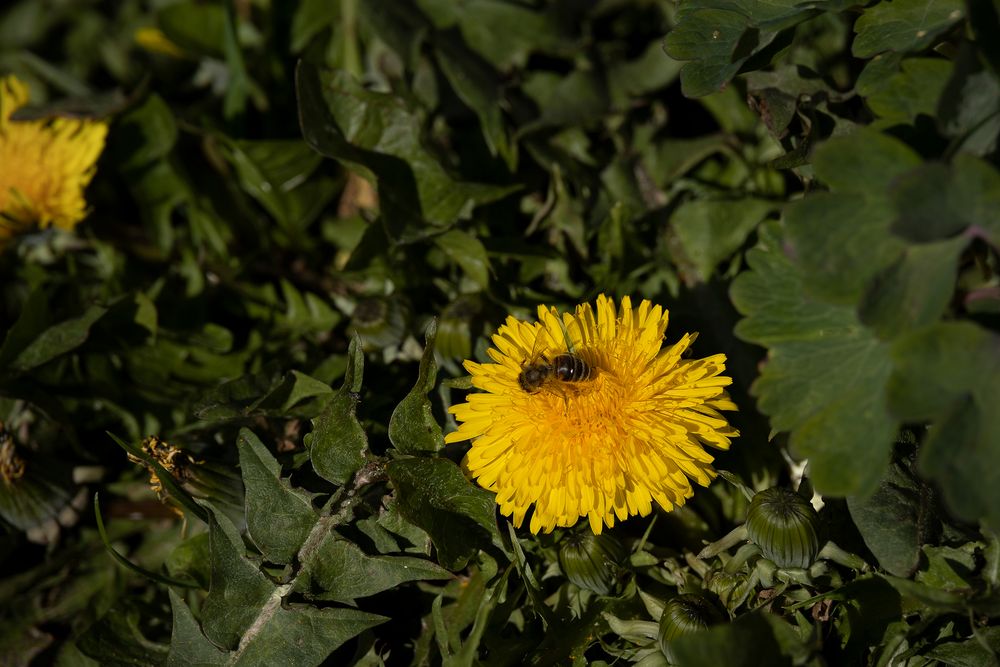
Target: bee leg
[(565, 398)]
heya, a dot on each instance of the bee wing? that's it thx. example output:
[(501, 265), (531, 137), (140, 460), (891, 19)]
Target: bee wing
[(543, 343)]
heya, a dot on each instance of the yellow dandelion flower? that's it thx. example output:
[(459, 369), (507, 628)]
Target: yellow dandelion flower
[(616, 426), (44, 165)]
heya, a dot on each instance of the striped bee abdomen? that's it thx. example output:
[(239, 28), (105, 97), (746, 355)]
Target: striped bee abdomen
[(571, 368)]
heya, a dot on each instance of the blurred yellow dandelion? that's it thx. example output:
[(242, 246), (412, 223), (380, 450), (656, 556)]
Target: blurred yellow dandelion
[(154, 41), (44, 165), (584, 415)]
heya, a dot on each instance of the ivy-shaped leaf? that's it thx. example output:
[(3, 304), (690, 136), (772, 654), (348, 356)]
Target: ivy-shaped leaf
[(434, 495), (341, 571), (300, 634), (279, 518), (239, 590), (188, 645), (412, 427), (337, 444)]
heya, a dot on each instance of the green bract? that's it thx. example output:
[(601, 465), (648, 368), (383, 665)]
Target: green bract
[(592, 561), (685, 615), (785, 527)]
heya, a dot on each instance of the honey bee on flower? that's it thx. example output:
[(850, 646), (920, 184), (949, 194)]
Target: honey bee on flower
[(631, 431)]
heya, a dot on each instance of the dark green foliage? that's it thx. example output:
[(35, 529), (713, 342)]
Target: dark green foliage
[(309, 213)]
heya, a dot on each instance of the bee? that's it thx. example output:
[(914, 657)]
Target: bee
[(566, 367)]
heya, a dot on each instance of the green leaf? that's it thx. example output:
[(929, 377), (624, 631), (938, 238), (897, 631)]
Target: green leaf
[(192, 559), (948, 568), (56, 340), (195, 26), (721, 38), (434, 495), (841, 421), (341, 571), (577, 98), (969, 109), (306, 312), (479, 87), (904, 25), (913, 291), (412, 427), (892, 520), (310, 19), (338, 443), (712, 230), (279, 518), (117, 641), (298, 634), (910, 92), (145, 134), (377, 133), (937, 201), (188, 646), (842, 239), (468, 252), (950, 373), (239, 590), (277, 174), (503, 33), (238, 398), (728, 645), (33, 320), (935, 598), (709, 39), (974, 652), (864, 162)]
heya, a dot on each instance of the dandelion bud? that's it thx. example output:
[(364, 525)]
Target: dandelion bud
[(684, 615), (785, 527), (592, 561)]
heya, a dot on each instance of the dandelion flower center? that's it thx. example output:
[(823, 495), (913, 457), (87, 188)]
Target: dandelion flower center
[(632, 432)]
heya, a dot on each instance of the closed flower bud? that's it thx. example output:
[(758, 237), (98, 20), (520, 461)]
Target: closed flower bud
[(592, 561), (684, 615), (785, 527)]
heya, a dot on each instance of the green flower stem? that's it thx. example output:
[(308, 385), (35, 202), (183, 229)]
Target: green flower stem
[(794, 575), (744, 554), (831, 551), (734, 537), (766, 570)]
